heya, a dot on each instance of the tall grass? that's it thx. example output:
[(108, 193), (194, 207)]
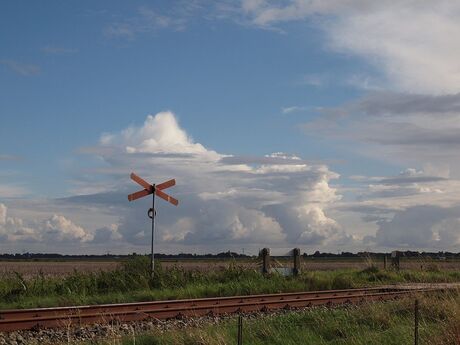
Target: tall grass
[(132, 282), (389, 323)]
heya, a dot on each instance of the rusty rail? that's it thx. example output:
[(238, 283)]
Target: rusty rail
[(20, 319)]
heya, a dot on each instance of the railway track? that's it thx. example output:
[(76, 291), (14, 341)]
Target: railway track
[(21, 319)]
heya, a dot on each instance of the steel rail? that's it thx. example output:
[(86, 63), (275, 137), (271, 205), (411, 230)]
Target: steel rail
[(36, 312), (20, 319)]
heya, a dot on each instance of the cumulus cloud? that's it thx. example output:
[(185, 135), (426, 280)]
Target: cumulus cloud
[(160, 134), (60, 229), (107, 234), (421, 227), (417, 123), (225, 200), (414, 209), (55, 229)]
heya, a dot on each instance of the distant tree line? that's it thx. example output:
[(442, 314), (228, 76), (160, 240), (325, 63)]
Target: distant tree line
[(29, 256), (222, 255), (407, 253)]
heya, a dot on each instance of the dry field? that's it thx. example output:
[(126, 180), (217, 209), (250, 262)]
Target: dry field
[(53, 268), (61, 268)]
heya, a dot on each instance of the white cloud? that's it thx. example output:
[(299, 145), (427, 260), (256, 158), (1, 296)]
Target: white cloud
[(411, 42), (55, 229), (159, 134), (293, 109), (412, 210), (417, 54), (407, 129), (417, 123), (224, 200), (107, 234), (60, 229), (421, 227)]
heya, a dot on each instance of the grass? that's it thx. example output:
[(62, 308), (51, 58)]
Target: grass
[(132, 282), (389, 323)]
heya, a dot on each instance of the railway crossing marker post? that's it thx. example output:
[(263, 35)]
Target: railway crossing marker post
[(154, 189)]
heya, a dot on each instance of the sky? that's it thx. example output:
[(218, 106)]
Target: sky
[(324, 125)]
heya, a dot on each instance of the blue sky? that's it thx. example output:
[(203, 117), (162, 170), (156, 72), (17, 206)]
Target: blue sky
[(347, 87)]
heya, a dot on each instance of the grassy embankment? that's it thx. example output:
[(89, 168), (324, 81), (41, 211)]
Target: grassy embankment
[(131, 282), (389, 323)]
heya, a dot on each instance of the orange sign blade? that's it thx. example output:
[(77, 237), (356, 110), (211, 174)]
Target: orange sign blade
[(139, 194), (165, 196), (166, 184), (141, 181)]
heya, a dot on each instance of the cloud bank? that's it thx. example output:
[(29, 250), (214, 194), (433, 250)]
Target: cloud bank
[(226, 201)]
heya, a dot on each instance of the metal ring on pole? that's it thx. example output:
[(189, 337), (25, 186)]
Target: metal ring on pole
[(151, 213)]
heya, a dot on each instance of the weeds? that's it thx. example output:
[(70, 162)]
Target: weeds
[(389, 323)]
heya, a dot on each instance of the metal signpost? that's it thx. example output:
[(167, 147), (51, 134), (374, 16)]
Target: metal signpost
[(154, 189)]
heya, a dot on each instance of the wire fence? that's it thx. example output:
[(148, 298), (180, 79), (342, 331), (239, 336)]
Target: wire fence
[(420, 329), (421, 319)]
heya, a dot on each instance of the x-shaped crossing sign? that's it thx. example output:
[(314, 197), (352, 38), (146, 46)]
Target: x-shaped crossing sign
[(152, 188)]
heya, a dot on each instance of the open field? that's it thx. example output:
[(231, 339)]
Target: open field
[(63, 268), (130, 281), (57, 268)]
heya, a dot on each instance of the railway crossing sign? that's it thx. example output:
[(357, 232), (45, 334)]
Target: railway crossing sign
[(154, 189)]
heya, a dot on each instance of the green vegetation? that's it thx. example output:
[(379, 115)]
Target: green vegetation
[(389, 323), (131, 282)]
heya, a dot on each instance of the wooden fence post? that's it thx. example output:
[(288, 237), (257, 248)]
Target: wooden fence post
[(416, 321), (296, 253), (266, 260), (240, 330), (395, 259)]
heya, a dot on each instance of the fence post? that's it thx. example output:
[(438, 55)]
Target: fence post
[(266, 260), (416, 317), (385, 262), (296, 253), (240, 330), (395, 255)]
